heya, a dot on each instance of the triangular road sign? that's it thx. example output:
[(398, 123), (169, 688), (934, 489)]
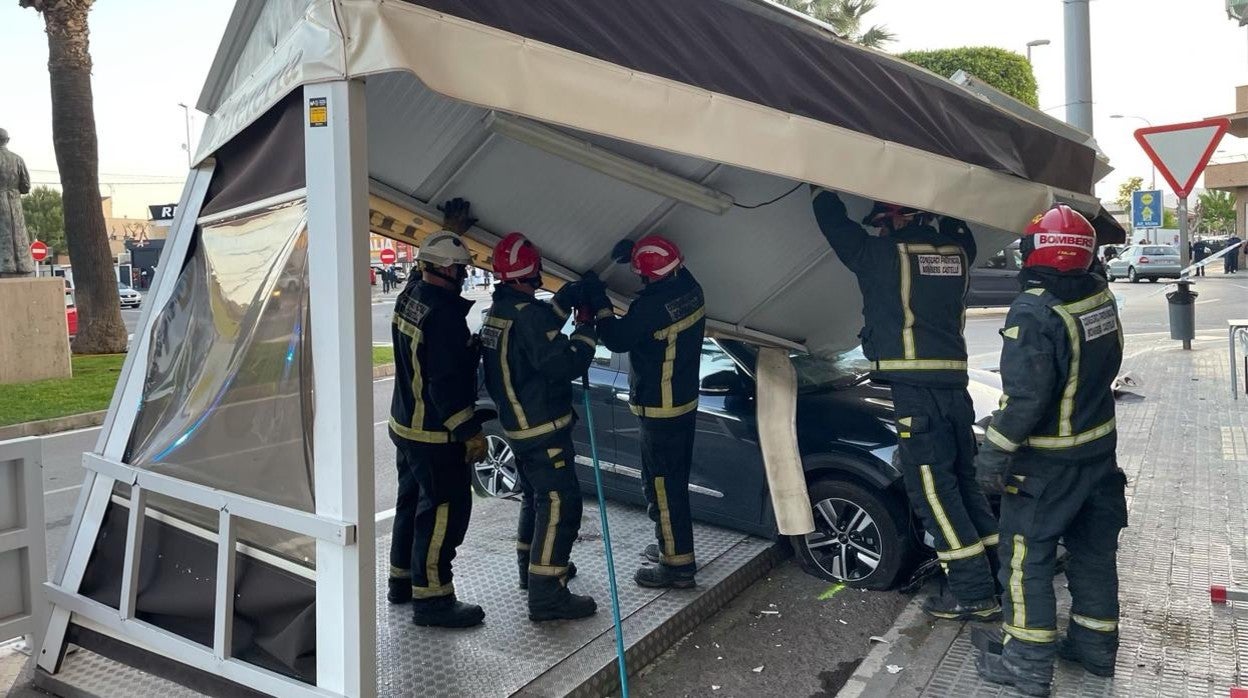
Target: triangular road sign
[(1181, 151)]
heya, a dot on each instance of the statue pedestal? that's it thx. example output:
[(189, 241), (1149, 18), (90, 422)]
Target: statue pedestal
[(34, 339)]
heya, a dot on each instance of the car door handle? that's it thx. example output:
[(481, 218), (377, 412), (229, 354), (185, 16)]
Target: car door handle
[(622, 396)]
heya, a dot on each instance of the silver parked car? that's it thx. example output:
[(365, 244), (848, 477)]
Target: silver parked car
[(130, 298), (1150, 262)]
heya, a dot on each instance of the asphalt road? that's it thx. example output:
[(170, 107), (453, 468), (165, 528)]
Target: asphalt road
[(804, 648)]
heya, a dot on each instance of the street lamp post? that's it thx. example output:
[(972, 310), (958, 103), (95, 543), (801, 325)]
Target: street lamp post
[(1152, 184), (186, 112), (1033, 44)]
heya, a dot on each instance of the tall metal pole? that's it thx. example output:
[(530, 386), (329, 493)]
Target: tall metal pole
[(186, 113), (1078, 65), (1184, 253)]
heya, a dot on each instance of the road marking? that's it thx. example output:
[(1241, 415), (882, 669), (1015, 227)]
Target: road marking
[(1211, 300), (384, 515), (49, 493)]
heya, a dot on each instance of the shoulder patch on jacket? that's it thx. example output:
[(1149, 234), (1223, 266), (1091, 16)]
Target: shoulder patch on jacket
[(1011, 332), (411, 310), (683, 306)]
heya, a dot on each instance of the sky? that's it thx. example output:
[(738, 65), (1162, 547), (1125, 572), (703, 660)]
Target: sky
[(1162, 60)]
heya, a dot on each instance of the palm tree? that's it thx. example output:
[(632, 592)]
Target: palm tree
[(845, 17), (100, 328)]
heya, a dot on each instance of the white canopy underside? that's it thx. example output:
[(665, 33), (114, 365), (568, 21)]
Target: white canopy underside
[(433, 81)]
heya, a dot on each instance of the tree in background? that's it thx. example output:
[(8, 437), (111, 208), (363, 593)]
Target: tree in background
[(100, 328), (44, 217), (1214, 209), (1005, 70), (845, 17), (1125, 190)]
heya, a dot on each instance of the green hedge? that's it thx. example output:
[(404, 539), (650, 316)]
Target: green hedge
[(1005, 70)]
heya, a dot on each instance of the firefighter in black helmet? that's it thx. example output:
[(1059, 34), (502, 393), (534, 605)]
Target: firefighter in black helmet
[(913, 278), (1050, 452)]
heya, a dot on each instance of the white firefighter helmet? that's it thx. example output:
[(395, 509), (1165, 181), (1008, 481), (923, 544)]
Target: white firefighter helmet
[(444, 249)]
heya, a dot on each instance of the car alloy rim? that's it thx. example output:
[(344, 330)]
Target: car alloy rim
[(846, 543), (497, 473)]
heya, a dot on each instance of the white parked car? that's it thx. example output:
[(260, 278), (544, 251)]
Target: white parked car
[(130, 298)]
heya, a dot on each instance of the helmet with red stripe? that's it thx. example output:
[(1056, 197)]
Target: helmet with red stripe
[(1060, 238), (655, 257), (517, 259)]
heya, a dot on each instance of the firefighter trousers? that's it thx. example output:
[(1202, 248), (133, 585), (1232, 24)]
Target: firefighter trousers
[(937, 453), (666, 458), (1084, 504), (550, 503), (430, 515)]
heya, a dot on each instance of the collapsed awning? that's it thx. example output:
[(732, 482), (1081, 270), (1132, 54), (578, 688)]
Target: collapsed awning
[(580, 122)]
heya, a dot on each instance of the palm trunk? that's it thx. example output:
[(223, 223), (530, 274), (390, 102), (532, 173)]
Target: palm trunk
[(100, 327)]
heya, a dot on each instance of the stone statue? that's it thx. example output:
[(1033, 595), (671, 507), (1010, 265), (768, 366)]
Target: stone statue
[(15, 257)]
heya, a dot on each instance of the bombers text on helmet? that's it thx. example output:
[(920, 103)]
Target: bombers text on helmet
[(517, 259), (444, 249), (655, 257), (1060, 238)]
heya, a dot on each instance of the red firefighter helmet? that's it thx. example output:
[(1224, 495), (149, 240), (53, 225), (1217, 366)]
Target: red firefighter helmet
[(516, 259), (655, 257), (1060, 238)]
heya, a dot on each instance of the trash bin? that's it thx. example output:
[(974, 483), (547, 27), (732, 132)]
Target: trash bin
[(1182, 302)]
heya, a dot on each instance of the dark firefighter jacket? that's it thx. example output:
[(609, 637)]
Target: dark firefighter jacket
[(435, 366), (1062, 350), (913, 285), (662, 334), (530, 364)]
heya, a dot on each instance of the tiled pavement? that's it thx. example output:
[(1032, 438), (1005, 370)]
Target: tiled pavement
[(1184, 446)]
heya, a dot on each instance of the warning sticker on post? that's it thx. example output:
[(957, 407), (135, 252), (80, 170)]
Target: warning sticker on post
[(940, 265), (318, 111)]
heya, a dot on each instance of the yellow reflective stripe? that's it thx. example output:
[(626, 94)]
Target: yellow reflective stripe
[(1000, 441), (1097, 624), (418, 387), (994, 539), (938, 509), (663, 412), (504, 361), (399, 573), (1067, 409), (559, 311), (977, 548), (550, 336), (665, 517), (1016, 582), (459, 418), (432, 592), (523, 547), (906, 421), (1011, 489), (677, 560), (590, 341), (540, 429), (932, 249), (919, 364), (907, 326), (1057, 442), (681, 325), (435, 545), (548, 544), (1035, 291), (548, 570), (1031, 634), (604, 313), (424, 437), (1088, 303), (903, 434), (1010, 332)]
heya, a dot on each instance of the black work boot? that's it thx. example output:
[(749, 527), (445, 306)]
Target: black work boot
[(522, 561), (1096, 661), (651, 553), (549, 599), (1026, 666), (664, 577), (400, 590), (446, 612), (946, 607)]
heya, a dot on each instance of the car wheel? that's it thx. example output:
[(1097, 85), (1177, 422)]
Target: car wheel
[(1109, 276), (861, 535), (496, 475), (1132, 276), (1152, 280)]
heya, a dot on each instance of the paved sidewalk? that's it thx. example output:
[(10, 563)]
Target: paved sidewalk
[(1184, 446)]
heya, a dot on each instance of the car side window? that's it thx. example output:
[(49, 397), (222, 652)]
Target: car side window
[(1017, 254), (997, 261), (714, 360), (602, 356)]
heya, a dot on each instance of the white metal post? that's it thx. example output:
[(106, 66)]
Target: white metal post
[(134, 551), (337, 180)]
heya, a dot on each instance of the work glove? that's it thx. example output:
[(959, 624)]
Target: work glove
[(569, 297), (991, 466), (622, 252), (594, 296), (457, 214), (475, 449), (828, 205), (953, 227)]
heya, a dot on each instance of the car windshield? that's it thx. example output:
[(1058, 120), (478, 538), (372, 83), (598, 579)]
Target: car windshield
[(813, 372), (1161, 251)]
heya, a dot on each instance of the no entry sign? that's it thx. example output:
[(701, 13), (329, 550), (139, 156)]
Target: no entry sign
[(387, 256), (38, 251)]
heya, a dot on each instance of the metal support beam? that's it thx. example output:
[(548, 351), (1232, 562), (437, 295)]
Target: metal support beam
[(337, 179), (223, 624), (1078, 65), (134, 551)]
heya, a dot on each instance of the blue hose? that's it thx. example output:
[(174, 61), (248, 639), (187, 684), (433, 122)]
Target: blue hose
[(606, 540)]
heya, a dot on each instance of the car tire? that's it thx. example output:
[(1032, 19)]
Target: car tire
[(1152, 280), (1109, 276), (1132, 276), (885, 534), (497, 475)]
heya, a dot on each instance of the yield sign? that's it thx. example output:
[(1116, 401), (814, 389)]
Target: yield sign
[(1181, 151)]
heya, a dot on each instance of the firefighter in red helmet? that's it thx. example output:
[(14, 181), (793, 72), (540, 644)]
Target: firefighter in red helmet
[(529, 368), (1050, 453), (662, 334)]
